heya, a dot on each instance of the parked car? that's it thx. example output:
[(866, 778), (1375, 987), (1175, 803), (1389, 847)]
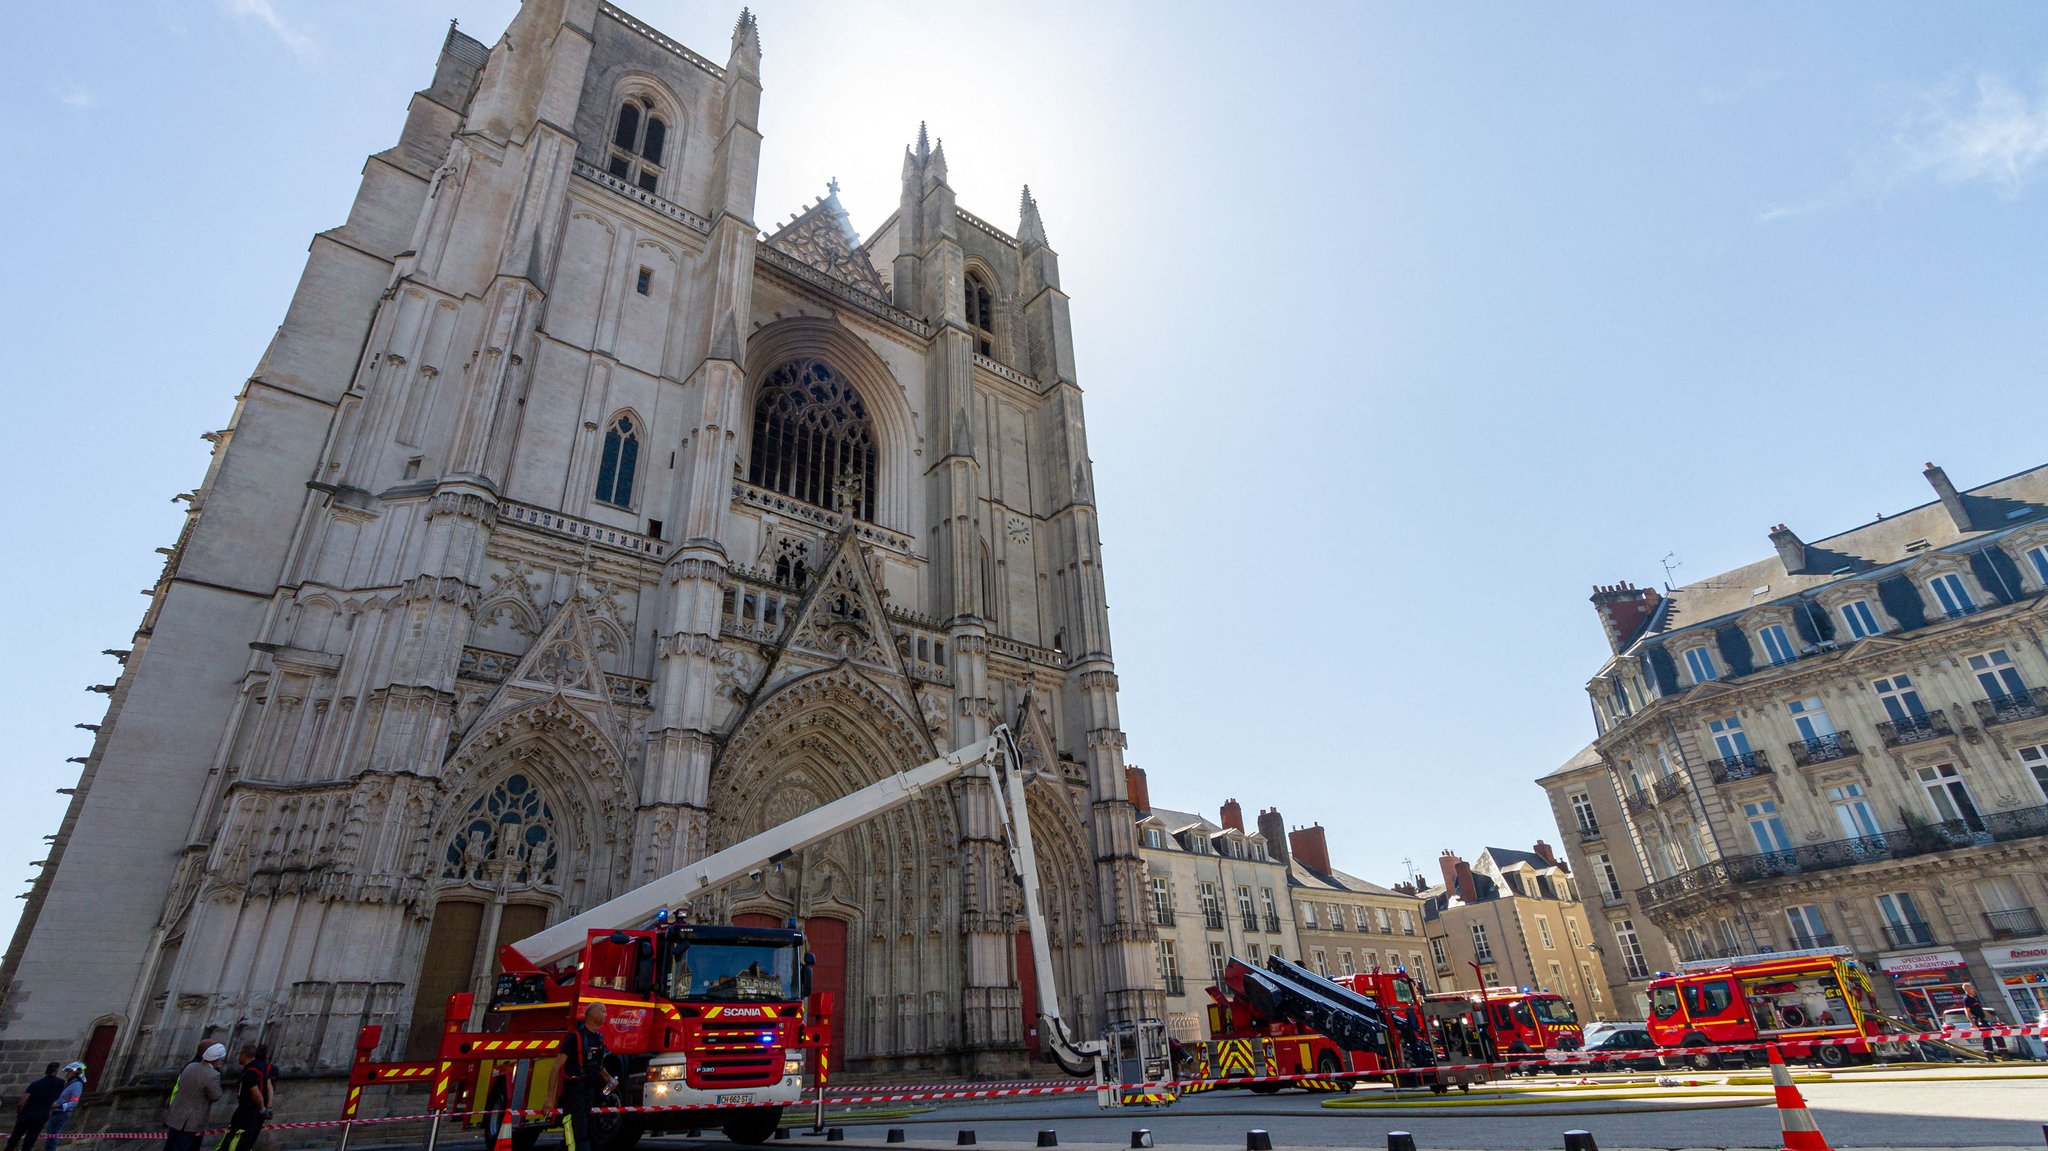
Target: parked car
[(1623, 1039), (1594, 1032)]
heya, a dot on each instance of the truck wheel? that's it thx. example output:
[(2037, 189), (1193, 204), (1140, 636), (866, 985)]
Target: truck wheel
[(1701, 1060), (753, 1125), (1329, 1066), (1831, 1056), (615, 1132), (525, 1137), (1264, 1088)]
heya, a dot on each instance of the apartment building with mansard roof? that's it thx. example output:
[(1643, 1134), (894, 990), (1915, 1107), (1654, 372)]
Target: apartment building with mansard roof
[(1513, 918), (1842, 745), (1215, 890)]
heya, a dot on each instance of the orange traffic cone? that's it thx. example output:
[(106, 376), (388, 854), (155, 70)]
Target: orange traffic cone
[(1801, 1133), (505, 1119)]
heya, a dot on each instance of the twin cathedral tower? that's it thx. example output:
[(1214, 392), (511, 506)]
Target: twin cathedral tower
[(572, 528)]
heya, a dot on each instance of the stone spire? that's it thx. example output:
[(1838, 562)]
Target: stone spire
[(1030, 229), (746, 38)]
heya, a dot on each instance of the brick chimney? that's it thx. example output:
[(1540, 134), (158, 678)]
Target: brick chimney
[(1950, 497), (1458, 876), (1233, 815), (1140, 792), (1546, 852), (1311, 847), (1624, 610), (1791, 549), (1275, 830)]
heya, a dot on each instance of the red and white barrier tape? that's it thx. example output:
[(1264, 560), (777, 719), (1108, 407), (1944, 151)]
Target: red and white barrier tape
[(1536, 1061), (954, 1092)]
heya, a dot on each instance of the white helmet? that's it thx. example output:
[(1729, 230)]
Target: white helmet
[(215, 1053)]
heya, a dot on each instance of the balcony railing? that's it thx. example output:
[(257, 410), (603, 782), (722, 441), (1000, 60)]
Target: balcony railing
[(1670, 787), (1337, 924), (1273, 922), (1748, 765), (1921, 839), (1212, 919), (1812, 942), (2028, 704), (1908, 934), (1612, 899), (1638, 802), (1915, 728), (1251, 920), (1163, 916), (1484, 955), (1821, 749), (1175, 985), (2014, 923), (1589, 834)]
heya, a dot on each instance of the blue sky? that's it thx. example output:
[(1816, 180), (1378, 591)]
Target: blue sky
[(1401, 325)]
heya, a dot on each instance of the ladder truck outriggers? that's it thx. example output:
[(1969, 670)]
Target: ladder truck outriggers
[(715, 1026)]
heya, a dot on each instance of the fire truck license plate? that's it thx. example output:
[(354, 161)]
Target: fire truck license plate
[(738, 1099)]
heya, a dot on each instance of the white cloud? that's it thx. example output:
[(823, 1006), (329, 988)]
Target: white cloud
[(1993, 133), (76, 97), (1777, 212), (264, 13)]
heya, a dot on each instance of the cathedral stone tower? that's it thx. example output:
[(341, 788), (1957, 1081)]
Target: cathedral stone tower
[(572, 527)]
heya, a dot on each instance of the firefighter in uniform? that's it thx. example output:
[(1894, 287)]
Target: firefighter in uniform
[(584, 1078)]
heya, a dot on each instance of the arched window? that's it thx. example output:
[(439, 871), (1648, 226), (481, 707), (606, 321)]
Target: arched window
[(813, 440), (639, 137), (981, 314), (615, 469)]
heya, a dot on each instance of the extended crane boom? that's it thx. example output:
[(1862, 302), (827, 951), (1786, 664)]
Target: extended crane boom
[(678, 887), (564, 940)]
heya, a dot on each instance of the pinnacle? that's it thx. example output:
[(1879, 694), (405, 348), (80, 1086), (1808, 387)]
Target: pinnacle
[(924, 147)]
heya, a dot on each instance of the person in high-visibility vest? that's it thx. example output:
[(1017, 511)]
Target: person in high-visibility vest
[(584, 1078)]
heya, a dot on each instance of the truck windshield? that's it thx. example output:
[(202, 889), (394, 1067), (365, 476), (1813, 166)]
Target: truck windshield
[(1404, 991), (1554, 1011), (734, 973)]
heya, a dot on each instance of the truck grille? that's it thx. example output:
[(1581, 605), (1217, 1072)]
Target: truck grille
[(735, 1057)]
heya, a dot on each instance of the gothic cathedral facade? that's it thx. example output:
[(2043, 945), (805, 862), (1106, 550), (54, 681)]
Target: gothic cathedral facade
[(572, 527)]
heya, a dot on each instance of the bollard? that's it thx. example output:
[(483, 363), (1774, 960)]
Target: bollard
[(836, 1135), (1141, 1138), (1579, 1141), (1400, 1141), (964, 1139), (782, 1132), (1048, 1138), (1257, 1141), (895, 1135)]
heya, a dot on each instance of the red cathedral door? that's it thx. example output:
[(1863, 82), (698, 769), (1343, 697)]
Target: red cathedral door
[(1027, 986), (827, 940)]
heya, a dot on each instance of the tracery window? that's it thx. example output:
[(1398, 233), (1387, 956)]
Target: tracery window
[(813, 440), (981, 314), (616, 467), (508, 834), (639, 138)]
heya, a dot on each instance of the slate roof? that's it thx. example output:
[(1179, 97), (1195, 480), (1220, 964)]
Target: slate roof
[(1868, 551)]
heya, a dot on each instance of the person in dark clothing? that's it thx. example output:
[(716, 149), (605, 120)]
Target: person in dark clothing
[(250, 1101), (269, 1070), (34, 1109), (584, 1078)]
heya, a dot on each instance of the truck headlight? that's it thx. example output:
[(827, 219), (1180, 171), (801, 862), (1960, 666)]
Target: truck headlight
[(666, 1071), (793, 1064)]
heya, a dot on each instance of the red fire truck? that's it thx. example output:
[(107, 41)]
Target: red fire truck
[(1283, 1019), (1502, 1024), (717, 1018), (1813, 1004)]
